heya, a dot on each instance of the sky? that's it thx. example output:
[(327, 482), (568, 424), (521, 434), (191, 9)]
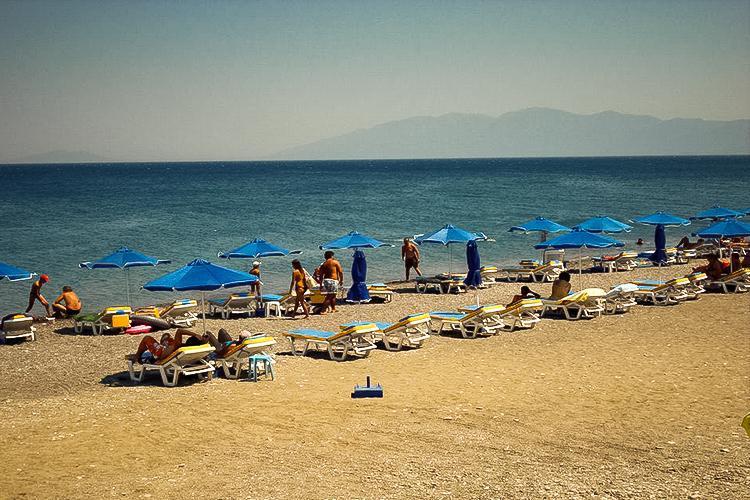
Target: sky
[(241, 80)]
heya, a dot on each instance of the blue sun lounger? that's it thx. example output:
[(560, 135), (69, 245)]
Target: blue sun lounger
[(357, 339)]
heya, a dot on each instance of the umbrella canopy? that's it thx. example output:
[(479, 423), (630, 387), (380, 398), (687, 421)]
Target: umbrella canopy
[(449, 234), (123, 258), (731, 228), (354, 240), (200, 275), (662, 218), (579, 239), (257, 248), (474, 276), (13, 273), (358, 291), (539, 224), (603, 224), (717, 213)]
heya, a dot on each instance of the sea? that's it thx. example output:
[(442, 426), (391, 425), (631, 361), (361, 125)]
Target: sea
[(56, 216)]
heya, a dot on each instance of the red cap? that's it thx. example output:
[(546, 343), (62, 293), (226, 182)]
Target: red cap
[(44, 278)]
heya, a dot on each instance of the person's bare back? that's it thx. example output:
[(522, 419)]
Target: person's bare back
[(331, 270)]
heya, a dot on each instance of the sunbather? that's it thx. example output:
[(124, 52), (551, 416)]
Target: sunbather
[(561, 286), (685, 243), (67, 304), (526, 293), (223, 341), (150, 350), (298, 287), (713, 269)]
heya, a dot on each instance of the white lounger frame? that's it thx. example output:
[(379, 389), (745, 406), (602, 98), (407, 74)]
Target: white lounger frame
[(185, 363)]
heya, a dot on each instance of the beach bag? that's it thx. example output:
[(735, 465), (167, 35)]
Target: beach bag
[(309, 281)]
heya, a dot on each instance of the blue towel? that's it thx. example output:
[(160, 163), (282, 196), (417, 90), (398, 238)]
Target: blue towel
[(270, 297), (315, 333), (456, 315)]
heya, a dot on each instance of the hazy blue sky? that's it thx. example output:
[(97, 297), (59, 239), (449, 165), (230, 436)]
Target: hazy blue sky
[(238, 80)]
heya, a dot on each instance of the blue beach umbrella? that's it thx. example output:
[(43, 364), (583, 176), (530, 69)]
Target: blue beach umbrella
[(730, 228), (603, 224), (746, 211), (13, 273), (661, 220), (579, 239), (354, 239), (358, 291), (257, 248), (200, 275), (539, 225), (717, 213), (447, 235), (124, 258)]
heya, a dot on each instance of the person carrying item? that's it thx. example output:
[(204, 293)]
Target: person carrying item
[(36, 294), (410, 256), (67, 304), (561, 286), (331, 277), (526, 293), (299, 287)]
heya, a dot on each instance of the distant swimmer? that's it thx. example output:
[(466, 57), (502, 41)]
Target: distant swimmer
[(410, 256), (36, 294)]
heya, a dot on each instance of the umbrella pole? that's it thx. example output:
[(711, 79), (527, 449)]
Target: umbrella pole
[(203, 309), (127, 285), (450, 261), (580, 266)]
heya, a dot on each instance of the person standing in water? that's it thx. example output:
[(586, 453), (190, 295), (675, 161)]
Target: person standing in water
[(410, 256), (36, 294)]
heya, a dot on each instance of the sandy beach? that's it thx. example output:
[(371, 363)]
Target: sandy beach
[(645, 404)]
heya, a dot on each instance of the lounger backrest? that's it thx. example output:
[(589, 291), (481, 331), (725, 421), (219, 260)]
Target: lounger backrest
[(356, 330), (580, 296), (18, 323), (482, 312), (740, 273), (264, 340), (188, 354), (413, 319), (696, 277), (677, 282), (107, 314), (179, 307), (622, 289)]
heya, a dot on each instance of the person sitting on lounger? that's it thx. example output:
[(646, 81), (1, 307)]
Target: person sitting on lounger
[(561, 286), (526, 293), (685, 243), (67, 304), (298, 287), (150, 350), (713, 269), (410, 256)]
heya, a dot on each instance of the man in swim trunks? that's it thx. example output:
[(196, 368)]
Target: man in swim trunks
[(72, 304), (331, 277), (150, 350), (410, 256), (36, 294)]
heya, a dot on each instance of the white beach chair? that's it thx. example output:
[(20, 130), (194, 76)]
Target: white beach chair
[(662, 294), (357, 340), (484, 320), (181, 312), (538, 274), (440, 284), (19, 326), (114, 318), (587, 303), (189, 360), (520, 314), (620, 299), (410, 331), (737, 282), (380, 291), (624, 261), (237, 356), (236, 303)]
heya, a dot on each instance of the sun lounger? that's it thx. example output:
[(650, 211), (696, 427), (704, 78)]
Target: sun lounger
[(237, 356), (380, 291), (484, 320), (620, 299), (441, 284), (236, 303), (661, 294), (180, 313), (489, 274), (691, 285), (624, 261), (19, 326), (588, 303), (410, 331), (116, 318), (541, 273), (357, 339), (184, 361), (737, 282), (521, 314)]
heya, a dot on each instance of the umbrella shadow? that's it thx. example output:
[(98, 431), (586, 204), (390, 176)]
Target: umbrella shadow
[(316, 354), (151, 379)]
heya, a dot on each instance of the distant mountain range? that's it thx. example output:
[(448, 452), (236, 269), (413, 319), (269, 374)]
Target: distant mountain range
[(62, 157), (532, 132)]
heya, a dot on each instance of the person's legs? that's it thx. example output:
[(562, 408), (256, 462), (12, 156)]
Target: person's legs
[(146, 344), (224, 336), (407, 266), (31, 303), (332, 300), (60, 310), (416, 268), (301, 301)]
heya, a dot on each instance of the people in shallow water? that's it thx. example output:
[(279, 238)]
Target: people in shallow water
[(639, 242), (561, 286), (67, 304), (526, 293), (713, 268)]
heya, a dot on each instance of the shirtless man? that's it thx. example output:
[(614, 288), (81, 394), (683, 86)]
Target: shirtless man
[(713, 269), (331, 277), (150, 350), (36, 294), (67, 304), (410, 256)]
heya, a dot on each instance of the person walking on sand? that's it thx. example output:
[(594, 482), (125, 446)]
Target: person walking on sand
[(331, 277), (410, 256), (36, 294), (299, 288), (67, 304)]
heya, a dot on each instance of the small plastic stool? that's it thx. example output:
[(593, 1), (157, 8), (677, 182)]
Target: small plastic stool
[(260, 365)]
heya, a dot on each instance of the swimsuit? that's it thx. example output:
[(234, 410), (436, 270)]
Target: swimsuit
[(330, 286)]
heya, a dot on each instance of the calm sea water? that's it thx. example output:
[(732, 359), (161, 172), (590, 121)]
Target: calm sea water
[(55, 216)]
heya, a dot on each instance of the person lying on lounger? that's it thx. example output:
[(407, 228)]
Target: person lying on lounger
[(150, 350), (685, 243), (526, 293), (561, 286), (713, 269), (223, 341)]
